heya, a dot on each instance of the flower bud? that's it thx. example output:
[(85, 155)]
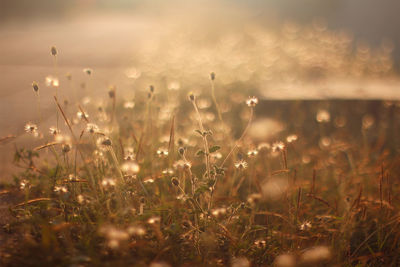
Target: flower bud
[(53, 50), (175, 181)]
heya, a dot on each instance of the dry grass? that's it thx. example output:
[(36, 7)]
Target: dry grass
[(175, 181)]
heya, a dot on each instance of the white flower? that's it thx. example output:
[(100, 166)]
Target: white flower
[(241, 165), (252, 101), (31, 128), (92, 128)]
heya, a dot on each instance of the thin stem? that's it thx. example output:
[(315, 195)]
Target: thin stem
[(207, 152), (240, 138), (56, 76), (215, 101), (114, 157)]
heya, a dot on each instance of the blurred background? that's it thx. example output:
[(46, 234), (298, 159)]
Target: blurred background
[(303, 49)]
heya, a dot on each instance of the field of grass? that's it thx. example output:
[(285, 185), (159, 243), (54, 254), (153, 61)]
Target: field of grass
[(201, 178)]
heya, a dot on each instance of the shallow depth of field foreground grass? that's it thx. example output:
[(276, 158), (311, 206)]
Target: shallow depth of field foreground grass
[(179, 178)]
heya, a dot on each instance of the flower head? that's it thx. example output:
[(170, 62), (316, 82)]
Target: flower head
[(104, 143), (31, 128), (54, 131), (252, 101), (92, 128), (241, 165), (278, 146)]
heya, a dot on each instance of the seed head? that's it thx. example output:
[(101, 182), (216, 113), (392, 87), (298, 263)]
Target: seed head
[(88, 71), (181, 151), (54, 131), (175, 181), (111, 92), (53, 50), (35, 87), (104, 143), (92, 128), (66, 148), (212, 76), (191, 97)]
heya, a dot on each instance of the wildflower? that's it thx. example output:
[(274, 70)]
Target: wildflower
[(241, 165), (168, 171), (129, 156), (263, 146), (129, 104), (153, 220), (218, 211), (130, 167), (82, 115), (323, 116), (306, 225), (104, 143), (212, 76), (175, 181), (108, 182), (191, 97), (53, 50), (216, 155), (132, 73), (252, 101), (65, 148), (260, 243), (35, 87), (88, 71), (162, 152), (60, 189), (252, 153), (278, 146), (291, 138), (92, 128), (54, 131), (24, 184), (182, 164), (111, 92), (52, 81), (174, 86), (31, 128)]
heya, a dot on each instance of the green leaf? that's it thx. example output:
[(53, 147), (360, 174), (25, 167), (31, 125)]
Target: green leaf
[(199, 132), (200, 153), (214, 148)]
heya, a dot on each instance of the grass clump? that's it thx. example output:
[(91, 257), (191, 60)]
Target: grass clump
[(167, 183)]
